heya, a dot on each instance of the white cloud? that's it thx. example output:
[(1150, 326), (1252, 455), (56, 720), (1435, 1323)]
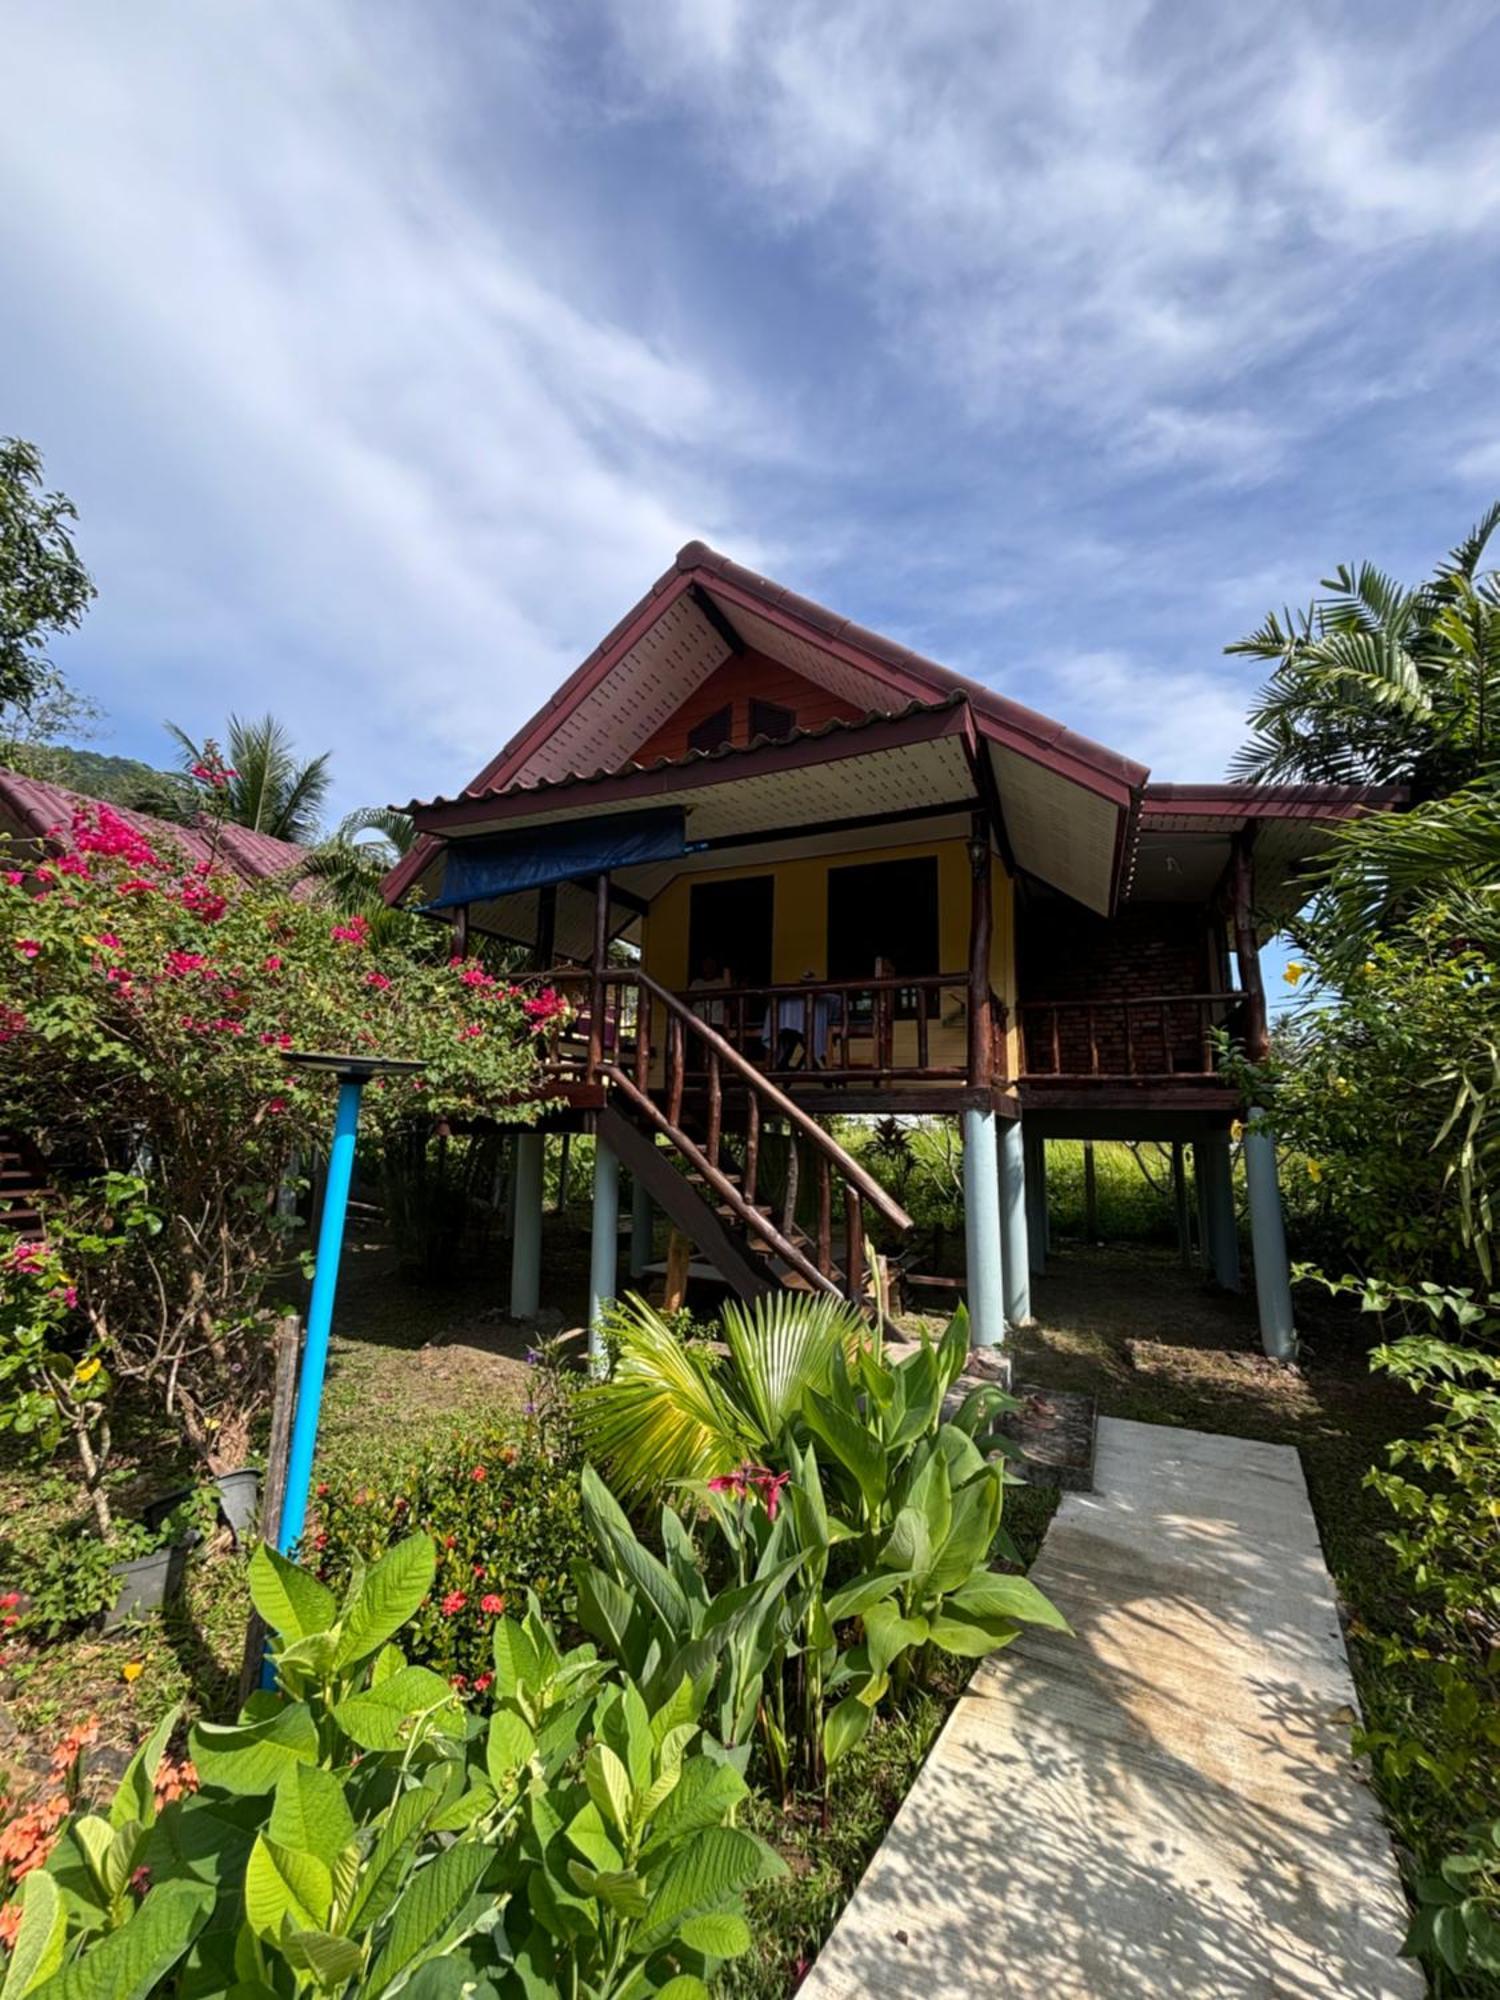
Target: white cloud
[(1184, 724), (385, 477)]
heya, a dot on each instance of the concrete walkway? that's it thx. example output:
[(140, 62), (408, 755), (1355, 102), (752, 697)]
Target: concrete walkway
[(1164, 1805)]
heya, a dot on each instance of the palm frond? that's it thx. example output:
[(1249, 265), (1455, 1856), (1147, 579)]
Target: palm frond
[(1464, 560), (784, 1344)]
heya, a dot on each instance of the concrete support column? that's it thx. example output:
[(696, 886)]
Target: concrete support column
[(526, 1225), (1221, 1235), (604, 1248), (640, 1227), (984, 1262), (1015, 1248), (1036, 1202), (1273, 1278)]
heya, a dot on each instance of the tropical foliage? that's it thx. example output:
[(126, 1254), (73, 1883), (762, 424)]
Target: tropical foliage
[(356, 1832), (264, 784), (147, 1009), (1381, 683), (44, 587)]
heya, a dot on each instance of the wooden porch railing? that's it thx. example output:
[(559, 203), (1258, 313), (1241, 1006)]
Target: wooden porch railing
[(610, 1041), (1154, 1038), (826, 1024)]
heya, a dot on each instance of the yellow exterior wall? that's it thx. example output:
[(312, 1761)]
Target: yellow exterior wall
[(800, 929)]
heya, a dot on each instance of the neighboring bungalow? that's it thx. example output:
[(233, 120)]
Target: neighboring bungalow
[(860, 883), (38, 818)]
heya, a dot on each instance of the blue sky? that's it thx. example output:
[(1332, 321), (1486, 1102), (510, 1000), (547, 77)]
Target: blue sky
[(389, 351)]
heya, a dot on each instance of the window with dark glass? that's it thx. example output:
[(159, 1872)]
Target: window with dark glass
[(769, 718), (885, 911), (713, 732)]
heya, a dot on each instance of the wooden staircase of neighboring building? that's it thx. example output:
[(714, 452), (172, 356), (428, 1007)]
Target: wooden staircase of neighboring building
[(693, 1139), (23, 1185)]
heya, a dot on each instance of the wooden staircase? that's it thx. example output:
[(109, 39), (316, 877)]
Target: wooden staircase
[(693, 1138), (23, 1186)]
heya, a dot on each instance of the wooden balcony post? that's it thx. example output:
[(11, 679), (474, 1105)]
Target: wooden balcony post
[(546, 927), (1247, 952), (461, 931), (981, 925), (596, 984)]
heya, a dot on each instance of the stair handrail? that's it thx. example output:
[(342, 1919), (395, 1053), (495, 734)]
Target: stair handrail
[(844, 1164), (749, 1215)]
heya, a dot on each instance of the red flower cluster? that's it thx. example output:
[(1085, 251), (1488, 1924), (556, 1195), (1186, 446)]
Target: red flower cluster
[(543, 1007), (355, 931), (107, 834), (12, 1023), (748, 1481)]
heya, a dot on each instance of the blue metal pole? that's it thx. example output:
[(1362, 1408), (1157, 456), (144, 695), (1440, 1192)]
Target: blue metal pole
[(320, 1318)]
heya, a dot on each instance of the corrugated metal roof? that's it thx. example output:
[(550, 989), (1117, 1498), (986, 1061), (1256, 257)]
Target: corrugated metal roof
[(45, 812)]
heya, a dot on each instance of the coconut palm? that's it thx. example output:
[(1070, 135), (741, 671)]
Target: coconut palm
[(272, 789), (1380, 684), (673, 1411), (363, 849)]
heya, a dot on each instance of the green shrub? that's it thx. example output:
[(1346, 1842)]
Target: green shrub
[(501, 1503), (1133, 1191)]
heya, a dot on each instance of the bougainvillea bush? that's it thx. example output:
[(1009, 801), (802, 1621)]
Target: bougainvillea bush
[(147, 1008)]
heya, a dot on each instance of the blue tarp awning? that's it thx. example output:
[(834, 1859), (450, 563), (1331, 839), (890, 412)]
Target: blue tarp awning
[(475, 871)]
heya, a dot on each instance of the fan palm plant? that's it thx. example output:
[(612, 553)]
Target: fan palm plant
[(271, 790), (672, 1411), (1379, 684)]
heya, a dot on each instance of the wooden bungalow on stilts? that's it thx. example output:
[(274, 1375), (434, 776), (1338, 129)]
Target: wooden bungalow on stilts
[(857, 883)]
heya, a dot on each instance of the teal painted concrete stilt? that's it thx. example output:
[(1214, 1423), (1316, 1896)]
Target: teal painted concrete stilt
[(1273, 1279), (640, 1227), (526, 1226), (604, 1249), (985, 1267), (1015, 1245), (1223, 1235)]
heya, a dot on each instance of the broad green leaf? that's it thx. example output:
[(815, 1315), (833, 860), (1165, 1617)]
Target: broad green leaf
[(463, 1811), (380, 1881), (843, 1727), (705, 1795), (588, 1833), (860, 1453), (249, 1757), (609, 1785), (971, 1534), (391, 1593), (283, 1882), (855, 1597), (331, 1960), (38, 1948), (516, 1661), (310, 1813), (509, 1748), (683, 1705), (988, 1594), (621, 1889), (888, 1635), (714, 1865), (291, 1600), (377, 1718), (972, 1638), (908, 1547), (717, 1934), (652, 1579), (135, 1795), (684, 1986), (430, 1908), (133, 1962)]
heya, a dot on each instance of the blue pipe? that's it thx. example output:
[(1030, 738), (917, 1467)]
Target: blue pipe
[(320, 1317)]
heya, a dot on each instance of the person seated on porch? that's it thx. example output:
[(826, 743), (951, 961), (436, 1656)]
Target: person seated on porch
[(786, 1028)]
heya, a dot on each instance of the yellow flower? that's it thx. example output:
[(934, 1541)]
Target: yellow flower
[(87, 1370), (1314, 1171), (132, 1670), (1293, 973)]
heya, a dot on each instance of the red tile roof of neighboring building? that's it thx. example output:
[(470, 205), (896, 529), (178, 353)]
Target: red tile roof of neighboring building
[(45, 812)]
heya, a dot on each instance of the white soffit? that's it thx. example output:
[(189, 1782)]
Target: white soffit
[(1058, 831), (643, 689)]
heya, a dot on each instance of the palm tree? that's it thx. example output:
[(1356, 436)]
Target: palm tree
[(272, 790), (363, 849), (1380, 684), (672, 1411)]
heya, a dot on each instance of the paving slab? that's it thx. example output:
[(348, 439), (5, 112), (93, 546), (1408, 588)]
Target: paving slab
[(1164, 1805)]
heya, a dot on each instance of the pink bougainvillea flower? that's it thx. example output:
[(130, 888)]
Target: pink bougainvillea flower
[(74, 864), (271, 964), (453, 1603), (15, 877), (181, 963), (137, 886), (471, 1033), (475, 975), (107, 941), (355, 931), (203, 902), (276, 1106), (28, 947), (378, 980), (12, 1023)]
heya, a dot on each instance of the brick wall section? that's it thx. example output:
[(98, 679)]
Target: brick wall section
[(747, 674), (1069, 954)]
